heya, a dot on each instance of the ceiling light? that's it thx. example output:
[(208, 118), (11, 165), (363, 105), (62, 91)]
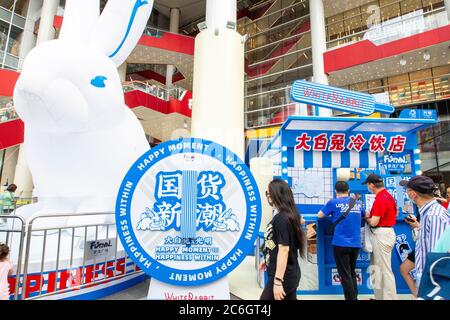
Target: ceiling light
[(403, 61), (202, 26), (426, 55), (231, 25)]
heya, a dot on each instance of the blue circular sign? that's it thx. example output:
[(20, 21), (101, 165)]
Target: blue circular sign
[(188, 212)]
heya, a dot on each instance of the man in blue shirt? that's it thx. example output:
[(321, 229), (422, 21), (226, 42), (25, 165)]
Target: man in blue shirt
[(347, 236)]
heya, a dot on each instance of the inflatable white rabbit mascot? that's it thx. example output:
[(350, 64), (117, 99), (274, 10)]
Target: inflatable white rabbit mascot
[(80, 137)]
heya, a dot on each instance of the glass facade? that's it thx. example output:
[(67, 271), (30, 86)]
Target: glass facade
[(385, 20), (12, 24), (434, 143), (278, 52), (410, 88)]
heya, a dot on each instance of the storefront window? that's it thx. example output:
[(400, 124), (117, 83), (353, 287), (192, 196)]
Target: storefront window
[(441, 82), (385, 20), (422, 85), (400, 90)]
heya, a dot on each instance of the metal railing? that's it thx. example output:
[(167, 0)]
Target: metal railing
[(159, 33), (154, 90), (8, 113), (11, 225), (56, 244)]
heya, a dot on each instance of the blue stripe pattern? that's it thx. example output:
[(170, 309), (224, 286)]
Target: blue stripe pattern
[(189, 205), (291, 158), (345, 159), (434, 219), (308, 158), (364, 159), (299, 95), (343, 162), (326, 160), (137, 5)]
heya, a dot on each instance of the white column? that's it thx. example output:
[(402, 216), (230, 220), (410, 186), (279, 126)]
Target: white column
[(262, 170), (46, 29), (28, 37), (447, 6), (23, 178), (319, 46), (218, 13), (174, 28), (218, 93)]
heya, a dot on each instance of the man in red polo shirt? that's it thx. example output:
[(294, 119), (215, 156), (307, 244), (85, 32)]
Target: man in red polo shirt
[(381, 219)]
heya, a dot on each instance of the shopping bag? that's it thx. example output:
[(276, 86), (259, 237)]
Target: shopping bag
[(435, 281), (365, 239)]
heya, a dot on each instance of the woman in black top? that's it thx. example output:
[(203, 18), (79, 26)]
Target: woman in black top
[(284, 239)]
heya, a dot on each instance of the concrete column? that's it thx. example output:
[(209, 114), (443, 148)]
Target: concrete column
[(219, 13), (319, 46), (9, 165), (447, 6), (123, 71), (46, 29), (262, 170), (218, 93), (28, 37), (22, 177), (174, 27)]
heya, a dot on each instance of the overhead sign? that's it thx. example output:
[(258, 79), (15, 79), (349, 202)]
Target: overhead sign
[(188, 212), (339, 142), (418, 114), (337, 99), (394, 163)]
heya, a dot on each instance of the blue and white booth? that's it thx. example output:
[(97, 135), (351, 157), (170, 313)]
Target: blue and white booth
[(312, 153)]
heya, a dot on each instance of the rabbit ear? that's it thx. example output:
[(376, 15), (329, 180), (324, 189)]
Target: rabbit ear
[(80, 16), (120, 27)]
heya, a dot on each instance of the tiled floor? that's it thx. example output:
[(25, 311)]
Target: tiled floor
[(243, 286), (139, 292)]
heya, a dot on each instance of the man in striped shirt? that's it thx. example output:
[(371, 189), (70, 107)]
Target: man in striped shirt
[(434, 219)]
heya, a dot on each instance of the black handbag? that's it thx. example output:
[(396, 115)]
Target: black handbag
[(351, 204)]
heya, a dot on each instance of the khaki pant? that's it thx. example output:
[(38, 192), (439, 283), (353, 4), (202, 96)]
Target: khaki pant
[(382, 277)]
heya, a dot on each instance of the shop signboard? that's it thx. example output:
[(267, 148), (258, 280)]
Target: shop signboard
[(100, 249), (394, 163), (337, 99), (340, 142), (188, 212)]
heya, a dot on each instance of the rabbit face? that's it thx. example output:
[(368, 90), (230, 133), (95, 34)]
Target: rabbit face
[(64, 88), (72, 84)]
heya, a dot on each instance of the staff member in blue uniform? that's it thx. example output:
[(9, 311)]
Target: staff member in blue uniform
[(346, 214)]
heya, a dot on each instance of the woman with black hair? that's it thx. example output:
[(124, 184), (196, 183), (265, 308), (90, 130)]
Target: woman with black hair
[(284, 240)]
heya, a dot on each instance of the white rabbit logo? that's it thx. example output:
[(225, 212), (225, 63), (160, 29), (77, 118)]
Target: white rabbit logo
[(80, 137)]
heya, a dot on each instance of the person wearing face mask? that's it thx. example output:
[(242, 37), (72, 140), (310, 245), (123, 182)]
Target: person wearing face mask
[(284, 240), (381, 219), (434, 219)]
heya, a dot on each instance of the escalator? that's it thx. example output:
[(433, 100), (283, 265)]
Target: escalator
[(161, 113), (144, 99), (279, 56), (274, 12)]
